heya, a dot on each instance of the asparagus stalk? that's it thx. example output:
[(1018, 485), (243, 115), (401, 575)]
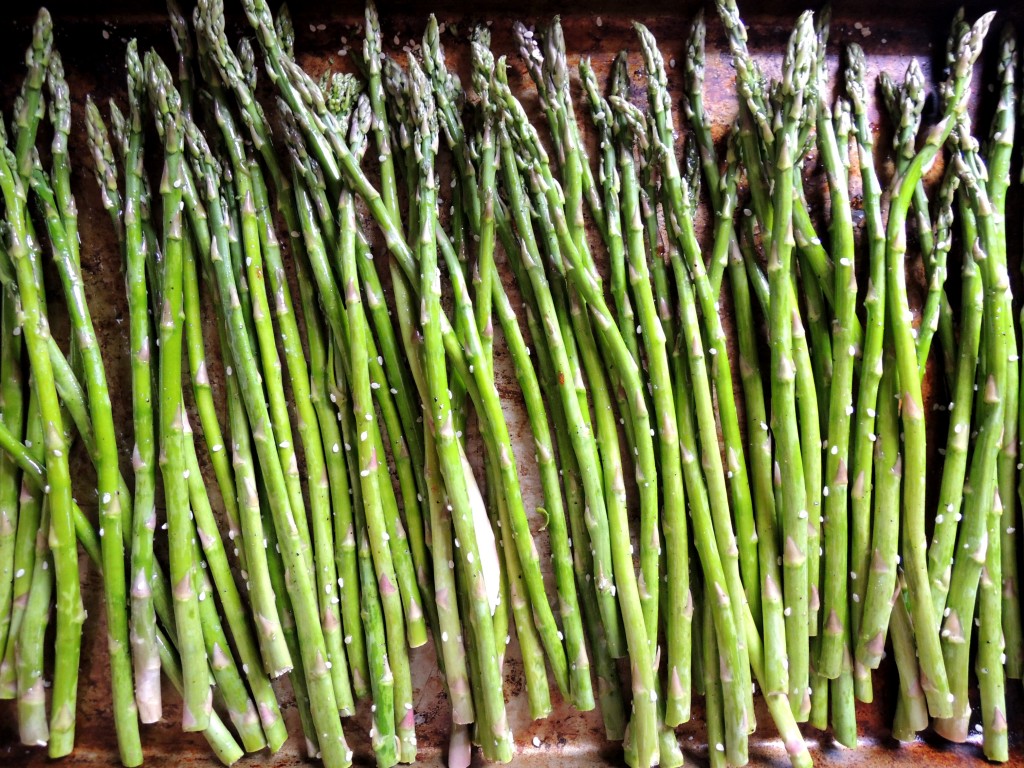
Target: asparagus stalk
[(143, 618), (70, 614), (195, 716), (722, 190), (529, 640), (925, 621), (989, 660), (230, 688), (383, 738), (405, 448), (108, 475), (30, 642), (12, 414), (496, 433), (313, 450), (407, 584), (954, 468), (575, 172), (294, 552), (713, 691), (610, 697), (35, 476), (262, 320), (28, 515), (368, 461), (344, 531), (617, 576), (840, 409), (31, 106), (582, 277), (860, 473), (983, 561), (680, 227), (449, 454), (796, 73), (999, 151), (677, 702)]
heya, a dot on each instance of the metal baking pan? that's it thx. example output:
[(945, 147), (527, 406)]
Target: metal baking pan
[(91, 37)]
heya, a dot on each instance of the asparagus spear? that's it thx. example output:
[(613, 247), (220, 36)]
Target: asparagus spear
[(951, 489), (230, 68), (195, 715), (999, 151), (497, 434), (867, 405), (796, 72), (582, 277), (368, 459), (12, 414), (925, 622), (70, 614), (722, 190), (30, 106), (982, 535), (143, 619), (840, 409), (713, 691), (619, 576), (323, 704), (32, 726), (680, 227), (108, 475), (383, 737), (673, 514), (529, 640), (449, 455), (382, 390), (345, 535), (220, 738)]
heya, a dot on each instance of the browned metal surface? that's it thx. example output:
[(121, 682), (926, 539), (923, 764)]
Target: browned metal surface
[(92, 42)]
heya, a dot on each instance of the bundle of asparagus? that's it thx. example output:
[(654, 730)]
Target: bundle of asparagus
[(782, 533)]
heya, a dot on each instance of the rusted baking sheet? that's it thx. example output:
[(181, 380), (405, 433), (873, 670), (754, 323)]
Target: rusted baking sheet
[(91, 37)]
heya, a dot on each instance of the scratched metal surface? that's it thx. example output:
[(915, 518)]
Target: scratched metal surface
[(91, 38)]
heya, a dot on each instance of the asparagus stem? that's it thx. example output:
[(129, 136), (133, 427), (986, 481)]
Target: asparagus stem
[(293, 549), (25, 258), (582, 277), (363, 411), (195, 715), (29, 511), (999, 151), (713, 691), (313, 451), (715, 583), (449, 454), (344, 531), (677, 704), (12, 415), (925, 621), (613, 573), (261, 316), (796, 72), (230, 688), (954, 468), (976, 564), (144, 461), (835, 599), (868, 401), (108, 475), (384, 740), (217, 734), (32, 726)]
